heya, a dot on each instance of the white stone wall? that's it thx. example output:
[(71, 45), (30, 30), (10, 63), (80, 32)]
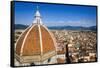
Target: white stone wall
[(61, 56), (53, 60)]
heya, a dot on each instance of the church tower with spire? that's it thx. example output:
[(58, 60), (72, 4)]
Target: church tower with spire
[(36, 45)]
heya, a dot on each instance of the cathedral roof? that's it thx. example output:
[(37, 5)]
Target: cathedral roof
[(36, 39)]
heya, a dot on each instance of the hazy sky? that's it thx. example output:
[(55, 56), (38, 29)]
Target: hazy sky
[(55, 15)]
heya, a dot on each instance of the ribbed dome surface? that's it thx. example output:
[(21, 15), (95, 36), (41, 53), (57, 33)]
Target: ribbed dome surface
[(36, 44), (29, 43)]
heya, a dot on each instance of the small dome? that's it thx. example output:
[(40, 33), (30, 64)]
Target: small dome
[(37, 14)]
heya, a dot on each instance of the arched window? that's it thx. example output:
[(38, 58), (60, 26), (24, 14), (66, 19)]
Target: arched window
[(32, 64), (49, 60)]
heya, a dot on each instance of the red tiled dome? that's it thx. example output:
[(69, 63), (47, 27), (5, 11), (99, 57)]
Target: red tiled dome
[(36, 43), (29, 43)]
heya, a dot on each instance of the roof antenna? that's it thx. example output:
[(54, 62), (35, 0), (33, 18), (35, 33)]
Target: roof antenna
[(37, 7)]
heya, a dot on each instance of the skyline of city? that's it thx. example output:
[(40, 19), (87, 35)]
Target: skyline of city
[(41, 45), (56, 15)]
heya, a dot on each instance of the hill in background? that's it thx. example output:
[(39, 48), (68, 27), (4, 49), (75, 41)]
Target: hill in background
[(94, 28)]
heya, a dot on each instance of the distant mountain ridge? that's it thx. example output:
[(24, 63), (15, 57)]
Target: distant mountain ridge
[(73, 27), (21, 26)]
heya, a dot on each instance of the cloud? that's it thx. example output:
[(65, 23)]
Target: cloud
[(84, 23), (64, 23)]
